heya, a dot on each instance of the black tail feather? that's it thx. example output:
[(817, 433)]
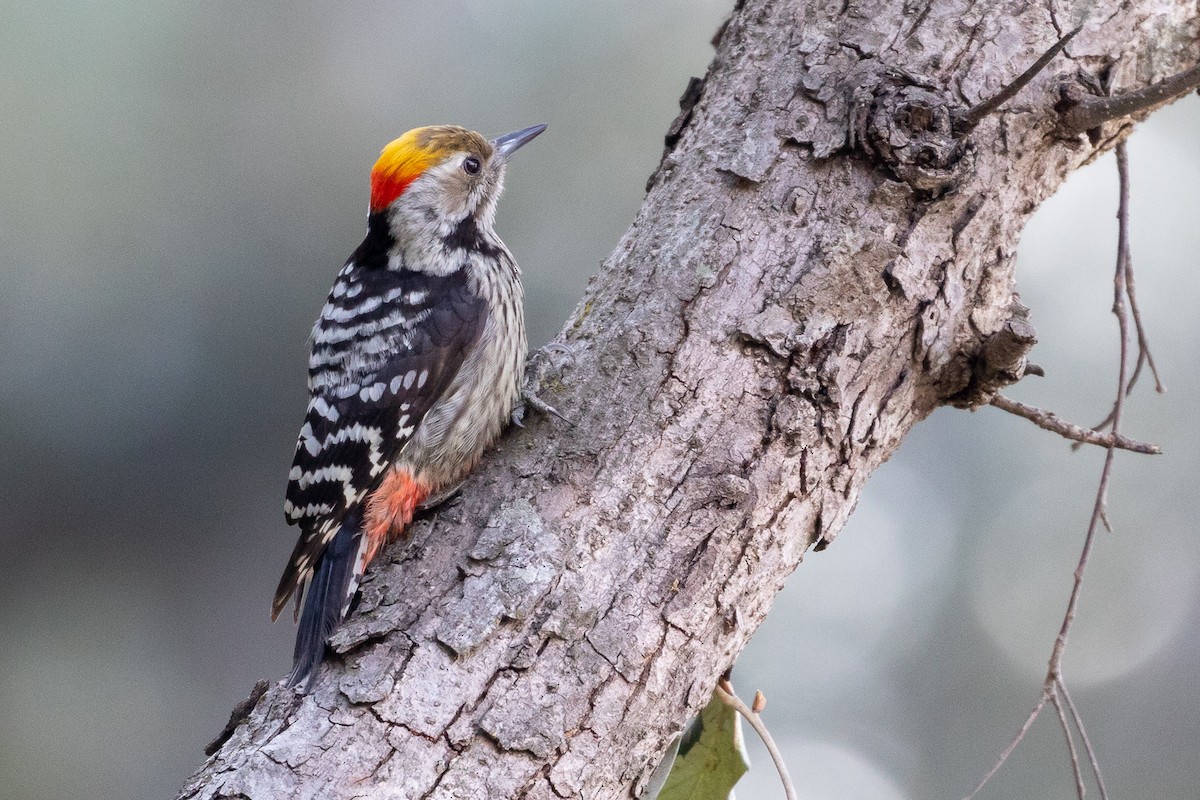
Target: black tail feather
[(330, 590)]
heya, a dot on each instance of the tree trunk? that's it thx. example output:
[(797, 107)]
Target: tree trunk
[(823, 258)]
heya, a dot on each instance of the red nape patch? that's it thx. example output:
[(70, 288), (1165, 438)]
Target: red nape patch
[(385, 188), (390, 507), (400, 163)]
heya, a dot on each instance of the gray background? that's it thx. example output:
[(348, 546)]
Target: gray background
[(181, 181)]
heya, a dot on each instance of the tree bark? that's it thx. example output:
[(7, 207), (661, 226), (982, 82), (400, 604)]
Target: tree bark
[(824, 257)]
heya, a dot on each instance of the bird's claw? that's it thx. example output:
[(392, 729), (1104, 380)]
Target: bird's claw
[(530, 399), (548, 359)]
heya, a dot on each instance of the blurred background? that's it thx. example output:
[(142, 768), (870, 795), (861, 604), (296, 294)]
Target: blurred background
[(180, 183)]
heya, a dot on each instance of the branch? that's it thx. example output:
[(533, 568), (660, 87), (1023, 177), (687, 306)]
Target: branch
[(1080, 112), (976, 114), (1050, 421)]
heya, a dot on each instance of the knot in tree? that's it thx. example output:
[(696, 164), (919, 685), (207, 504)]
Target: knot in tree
[(909, 129)]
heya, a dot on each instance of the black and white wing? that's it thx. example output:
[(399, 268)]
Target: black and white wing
[(386, 347)]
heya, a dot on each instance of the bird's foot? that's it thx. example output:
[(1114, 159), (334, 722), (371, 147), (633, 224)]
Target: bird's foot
[(531, 400), (543, 363)]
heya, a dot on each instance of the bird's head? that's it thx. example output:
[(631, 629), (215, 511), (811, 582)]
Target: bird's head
[(432, 179)]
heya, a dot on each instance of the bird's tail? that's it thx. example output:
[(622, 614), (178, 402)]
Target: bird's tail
[(331, 589)]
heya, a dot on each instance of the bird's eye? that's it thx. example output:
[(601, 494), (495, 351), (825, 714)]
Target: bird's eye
[(471, 165)]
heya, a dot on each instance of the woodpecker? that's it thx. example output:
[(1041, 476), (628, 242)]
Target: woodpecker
[(416, 366)]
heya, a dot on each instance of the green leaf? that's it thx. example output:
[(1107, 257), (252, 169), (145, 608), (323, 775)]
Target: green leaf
[(711, 757)]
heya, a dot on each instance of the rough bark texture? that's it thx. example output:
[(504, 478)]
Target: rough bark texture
[(823, 258)]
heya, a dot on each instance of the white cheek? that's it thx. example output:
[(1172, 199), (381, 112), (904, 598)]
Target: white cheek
[(434, 203)]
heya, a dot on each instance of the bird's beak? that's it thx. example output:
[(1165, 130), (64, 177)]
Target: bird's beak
[(509, 143)]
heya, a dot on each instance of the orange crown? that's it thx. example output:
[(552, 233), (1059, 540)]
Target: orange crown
[(403, 160)]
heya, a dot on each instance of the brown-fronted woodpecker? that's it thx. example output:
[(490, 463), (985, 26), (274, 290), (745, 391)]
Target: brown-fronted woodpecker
[(416, 366)]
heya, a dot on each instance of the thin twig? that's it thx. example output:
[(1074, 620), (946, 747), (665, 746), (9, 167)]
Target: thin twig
[(1089, 111), (1145, 356), (1054, 680), (726, 693), (1050, 421), (976, 114), (1099, 426), (1101, 504), (1087, 742), (1080, 789), (1100, 511), (1008, 751)]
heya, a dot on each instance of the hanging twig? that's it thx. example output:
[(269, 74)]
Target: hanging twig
[(1145, 357), (1080, 789), (726, 693), (1008, 751), (1087, 742), (1054, 681)]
